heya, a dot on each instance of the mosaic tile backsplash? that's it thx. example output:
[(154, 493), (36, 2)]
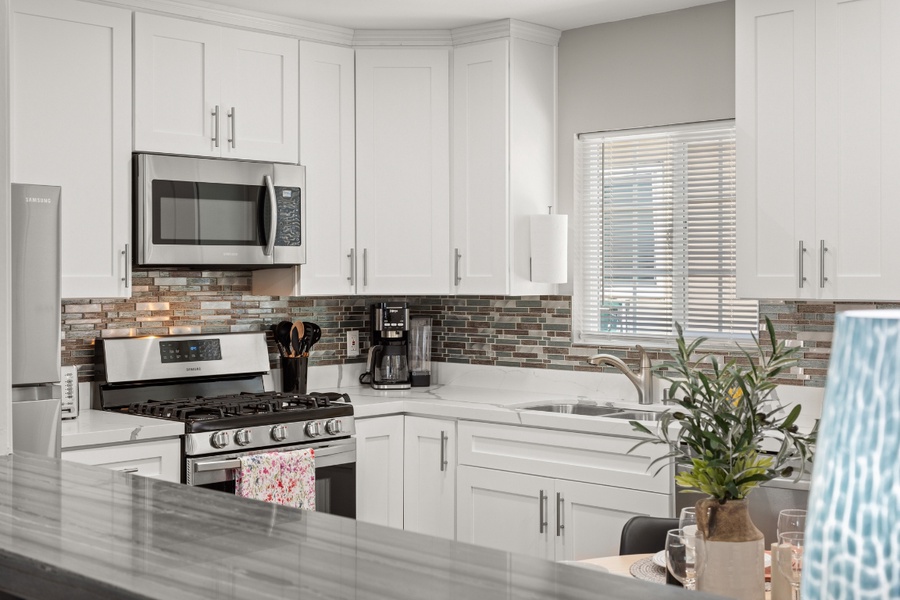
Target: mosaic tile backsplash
[(531, 331)]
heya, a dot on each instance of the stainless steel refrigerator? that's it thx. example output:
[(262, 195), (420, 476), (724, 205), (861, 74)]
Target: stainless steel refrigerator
[(35, 350)]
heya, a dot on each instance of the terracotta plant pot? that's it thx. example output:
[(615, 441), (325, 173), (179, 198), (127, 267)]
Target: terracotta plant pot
[(730, 559)]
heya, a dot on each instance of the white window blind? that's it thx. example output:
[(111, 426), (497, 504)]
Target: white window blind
[(656, 219)]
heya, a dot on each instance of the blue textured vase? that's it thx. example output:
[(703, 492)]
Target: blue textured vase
[(853, 525)]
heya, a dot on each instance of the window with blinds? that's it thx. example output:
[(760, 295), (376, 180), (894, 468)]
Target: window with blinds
[(656, 222)]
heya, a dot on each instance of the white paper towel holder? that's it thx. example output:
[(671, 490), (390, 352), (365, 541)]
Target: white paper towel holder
[(549, 248)]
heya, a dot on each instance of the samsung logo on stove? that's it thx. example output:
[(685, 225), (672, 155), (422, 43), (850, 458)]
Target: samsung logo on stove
[(37, 200), (193, 369)]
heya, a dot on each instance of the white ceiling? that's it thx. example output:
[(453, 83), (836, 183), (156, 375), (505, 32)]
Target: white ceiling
[(449, 14)]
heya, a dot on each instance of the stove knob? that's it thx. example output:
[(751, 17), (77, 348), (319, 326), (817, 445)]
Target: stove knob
[(333, 426), (242, 437), (279, 433), (219, 439), (313, 429)]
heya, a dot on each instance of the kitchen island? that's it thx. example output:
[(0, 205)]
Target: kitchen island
[(76, 531)]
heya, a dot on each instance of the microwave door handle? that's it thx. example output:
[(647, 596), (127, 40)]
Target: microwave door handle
[(273, 216)]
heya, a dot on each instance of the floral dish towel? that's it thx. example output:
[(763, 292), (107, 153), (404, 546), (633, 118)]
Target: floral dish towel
[(287, 478)]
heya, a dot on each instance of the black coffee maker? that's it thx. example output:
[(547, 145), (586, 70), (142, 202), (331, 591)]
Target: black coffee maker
[(387, 367)]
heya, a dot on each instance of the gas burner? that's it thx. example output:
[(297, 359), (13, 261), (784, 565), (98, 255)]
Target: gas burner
[(214, 412)]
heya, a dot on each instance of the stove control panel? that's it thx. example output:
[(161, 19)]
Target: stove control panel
[(265, 437), (176, 351)]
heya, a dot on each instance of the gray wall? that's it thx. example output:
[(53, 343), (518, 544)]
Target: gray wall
[(674, 67)]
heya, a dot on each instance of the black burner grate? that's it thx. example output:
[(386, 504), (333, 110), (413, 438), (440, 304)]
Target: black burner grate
[(235, 405)]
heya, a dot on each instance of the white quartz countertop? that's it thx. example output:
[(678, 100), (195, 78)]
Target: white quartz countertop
[(488, 404), (97, 427)]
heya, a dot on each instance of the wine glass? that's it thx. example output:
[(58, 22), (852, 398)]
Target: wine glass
[(688, 517), (792, 541), (681, 557), (791, 519)]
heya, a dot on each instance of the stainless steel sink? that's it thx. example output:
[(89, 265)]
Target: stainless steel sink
[(592, 410), (636, 415)]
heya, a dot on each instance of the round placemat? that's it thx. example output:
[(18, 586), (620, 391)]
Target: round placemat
[(648, 570)]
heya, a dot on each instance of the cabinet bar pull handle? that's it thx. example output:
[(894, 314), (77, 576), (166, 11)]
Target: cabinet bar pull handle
[(443, 451), (352, 257), (215, 113), (129, 470), (542, 519), (127, 276), (559, 523), (456, 277), (365, 267), (233, 119), (822, 250), (800, 253)]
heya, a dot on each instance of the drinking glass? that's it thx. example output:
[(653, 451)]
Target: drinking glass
[(688, 517), (792, 540), (681, 557), (791, 519)]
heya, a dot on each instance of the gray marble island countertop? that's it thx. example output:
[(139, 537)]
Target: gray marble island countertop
[(74, 531)]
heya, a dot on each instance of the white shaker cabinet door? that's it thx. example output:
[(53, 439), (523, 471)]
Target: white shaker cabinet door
[(858, 137), (776, 148), (506, 511), (403, 172), (71, 126), (327, 150), (379, 470), (429, 477), (178, 77), (259, 96), (589, 518), (480, 205)]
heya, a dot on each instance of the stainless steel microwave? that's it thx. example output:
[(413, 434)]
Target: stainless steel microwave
[(207, 212)]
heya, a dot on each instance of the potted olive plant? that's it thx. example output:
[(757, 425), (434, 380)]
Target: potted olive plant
[(714, 434)]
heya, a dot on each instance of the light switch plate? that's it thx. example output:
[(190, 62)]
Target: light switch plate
[(352, 343)]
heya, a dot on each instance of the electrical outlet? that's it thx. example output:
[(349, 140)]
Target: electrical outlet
[(352, 343)]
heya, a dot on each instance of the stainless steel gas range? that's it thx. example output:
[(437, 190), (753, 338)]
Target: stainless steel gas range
[(219, 387)]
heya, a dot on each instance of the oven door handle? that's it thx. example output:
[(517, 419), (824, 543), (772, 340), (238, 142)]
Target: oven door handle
[(326, 456)]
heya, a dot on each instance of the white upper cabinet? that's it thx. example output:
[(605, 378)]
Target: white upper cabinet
[(327, 150), (403, 186), (504, 140), (776, 147), (71, 126), (816, 147), (479, 209), (858, 142), (207, 90)]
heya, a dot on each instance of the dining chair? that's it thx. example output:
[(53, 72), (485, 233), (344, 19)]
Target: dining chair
[(643, 535)]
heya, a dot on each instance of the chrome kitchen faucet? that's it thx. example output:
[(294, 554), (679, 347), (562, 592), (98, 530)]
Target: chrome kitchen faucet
[(643, 382)]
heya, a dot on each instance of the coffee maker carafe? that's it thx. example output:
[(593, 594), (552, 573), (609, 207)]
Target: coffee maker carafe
[(388, 364)]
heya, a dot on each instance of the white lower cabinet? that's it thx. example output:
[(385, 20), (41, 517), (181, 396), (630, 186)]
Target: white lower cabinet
[(553, 494), (160, 459), (544, 517), (504, 511), (429, 477), (379, 470)]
